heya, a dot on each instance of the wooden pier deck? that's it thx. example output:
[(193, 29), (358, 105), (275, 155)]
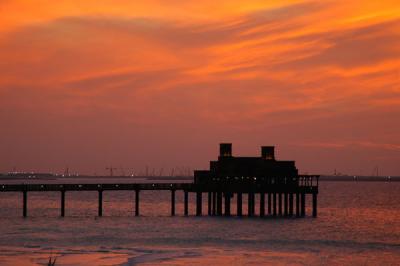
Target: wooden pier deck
[(280, 197)]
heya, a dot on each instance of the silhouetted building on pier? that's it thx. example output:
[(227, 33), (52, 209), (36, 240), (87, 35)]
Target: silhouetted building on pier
[(277, 184), (262, 170), (231, 175)]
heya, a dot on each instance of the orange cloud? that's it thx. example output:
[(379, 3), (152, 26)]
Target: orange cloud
[(262, 70)]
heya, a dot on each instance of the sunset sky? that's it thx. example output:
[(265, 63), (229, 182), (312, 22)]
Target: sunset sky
[(89, 84)]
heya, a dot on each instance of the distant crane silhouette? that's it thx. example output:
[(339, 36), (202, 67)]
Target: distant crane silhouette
[(375, 171), (111, 170), (66, 172)]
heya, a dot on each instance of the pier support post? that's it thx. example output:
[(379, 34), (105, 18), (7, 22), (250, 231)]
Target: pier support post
[(314, 195), (303, 204), (249, 213), (297, 204), (209, 203), (137, 202), (214, 203), (186, 205), (100, 210), (173, 202), (286, 204), (291, 204), (274, 204), (219, 203), (253, 203), (62, 203), (239, 211), (199, 202), (25, 203), (269, 203), (227, 204), (262, 204), (280, 204)]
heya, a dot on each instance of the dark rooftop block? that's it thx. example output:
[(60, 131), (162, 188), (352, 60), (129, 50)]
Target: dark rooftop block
[(268, 152), (225, 149)]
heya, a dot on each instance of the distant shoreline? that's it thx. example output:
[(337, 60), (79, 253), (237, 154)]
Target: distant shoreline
[(322, 178), (360, 178)]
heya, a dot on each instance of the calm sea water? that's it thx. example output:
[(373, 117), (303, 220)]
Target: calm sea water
[(357, 224)]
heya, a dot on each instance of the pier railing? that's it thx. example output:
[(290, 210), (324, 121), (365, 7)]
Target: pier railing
[(308, 180), (301, 183), (96, 187)]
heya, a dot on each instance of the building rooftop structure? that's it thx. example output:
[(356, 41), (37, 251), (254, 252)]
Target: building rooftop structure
[(263, 169)]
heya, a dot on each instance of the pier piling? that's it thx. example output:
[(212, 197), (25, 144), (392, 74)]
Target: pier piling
[(62, 203), (250, 204), (227, 204), (186, 203), (269, 203), (253, 203), (199, 202), (137, 202), (280, 203), (100, 205), (25, 203), (291, 204), (219, 203), (214, 203), (172, 202), (314, 205), (274, 204), (303, 204), (262, 204), (297, 204), (209, 203), (239, 211), (286, 201)]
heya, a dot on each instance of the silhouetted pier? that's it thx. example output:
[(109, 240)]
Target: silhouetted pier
[(282, 192)]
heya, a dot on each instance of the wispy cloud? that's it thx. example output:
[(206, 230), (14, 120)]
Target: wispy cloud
[(258, 68)]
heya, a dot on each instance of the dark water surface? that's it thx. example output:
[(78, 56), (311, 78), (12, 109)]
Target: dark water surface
[(358, 224)]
